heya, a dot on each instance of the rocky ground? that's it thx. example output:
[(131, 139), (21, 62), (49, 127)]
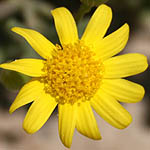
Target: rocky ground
[(136, 136)]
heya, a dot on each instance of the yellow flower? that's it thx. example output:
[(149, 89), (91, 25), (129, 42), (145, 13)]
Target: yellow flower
[(77, 75)]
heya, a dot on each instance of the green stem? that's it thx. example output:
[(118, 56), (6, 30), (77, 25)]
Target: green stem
[(84, 9)]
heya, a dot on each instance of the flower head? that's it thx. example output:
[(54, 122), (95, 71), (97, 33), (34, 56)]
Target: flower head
[(78, 74)]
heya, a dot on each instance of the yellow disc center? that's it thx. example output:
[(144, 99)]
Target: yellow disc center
[(72, 74)]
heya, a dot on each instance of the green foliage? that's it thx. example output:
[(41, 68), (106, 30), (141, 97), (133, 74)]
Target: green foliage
[(93, 3), (86, 6), (12, 80)]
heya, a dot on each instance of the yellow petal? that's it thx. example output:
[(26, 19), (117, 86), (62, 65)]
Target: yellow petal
[(67, 121), (123, 90), (28, 93), (65, 25), (30, 67), (38, 42), (97, 25), (112, 44), (86, 123), (110, 110), (125, 65), (38, 113)]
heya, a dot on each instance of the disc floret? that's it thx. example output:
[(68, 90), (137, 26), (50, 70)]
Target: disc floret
[(72, 74)]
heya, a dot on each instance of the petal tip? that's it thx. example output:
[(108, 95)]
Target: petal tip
[(11, 110), (146, 64), (15, 29), (145, 61), (1, 65), (18, 30), (126, 26), (127, 122), (98, 137), (68, 146), (4, 65), (104, 6), (142, 93), (27, 129), (58, 9)]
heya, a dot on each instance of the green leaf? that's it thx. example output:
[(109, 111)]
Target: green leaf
[(13, 80)]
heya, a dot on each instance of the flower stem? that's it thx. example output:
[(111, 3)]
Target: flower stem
[(84, 9)]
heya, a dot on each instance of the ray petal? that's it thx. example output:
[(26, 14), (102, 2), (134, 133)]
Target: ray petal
[(38, 42), (123, 90), (30, 67), (28, 93), (110, 110), (67, 121), (86, 123), (125, 65), (97, 25), (112, 44), (39, 112), (65, 26)]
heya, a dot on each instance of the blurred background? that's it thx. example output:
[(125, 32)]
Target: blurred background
[(35, 14)]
